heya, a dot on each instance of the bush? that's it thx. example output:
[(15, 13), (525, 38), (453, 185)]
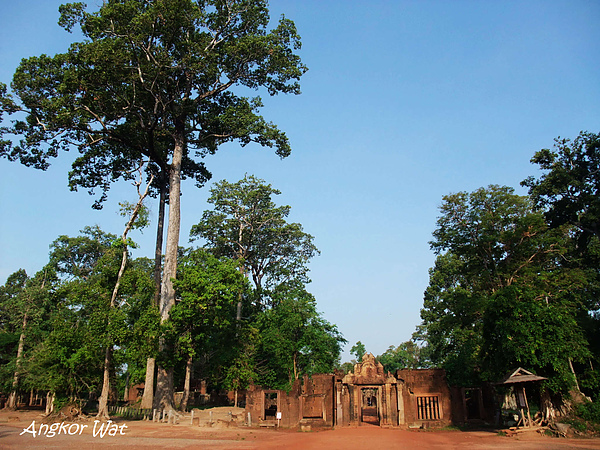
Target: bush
[(589, 411)]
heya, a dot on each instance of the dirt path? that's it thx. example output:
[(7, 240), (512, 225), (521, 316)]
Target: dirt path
[(146, 435)]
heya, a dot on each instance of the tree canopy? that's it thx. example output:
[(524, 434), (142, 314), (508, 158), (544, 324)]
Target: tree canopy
[(569, 189), (248, 226), (153, 82), (504, 291)]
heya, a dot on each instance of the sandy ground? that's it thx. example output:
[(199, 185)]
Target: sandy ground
[(146, 435)]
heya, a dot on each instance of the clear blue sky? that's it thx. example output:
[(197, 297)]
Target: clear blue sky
[(404, 102)]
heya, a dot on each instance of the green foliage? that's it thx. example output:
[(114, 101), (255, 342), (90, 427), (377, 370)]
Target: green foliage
[(76, 257), (208, 290), (346, 367), (589, 411), (203, 320), (295, 339), (119, 95), (507, 292), (451, 321), (247, 225), (525, 328), (25, 304), (358, 350), (407, 355), (568, 190), (241, 371), (142, 218), (69, 361), (69, 321)]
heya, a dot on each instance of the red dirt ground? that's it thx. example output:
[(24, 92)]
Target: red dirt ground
[(146, 435)]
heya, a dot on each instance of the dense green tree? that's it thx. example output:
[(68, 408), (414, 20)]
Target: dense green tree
[(501, 259), (452, 317), (203, 319), (407, 355), (525, 326), (569, 188), (166, 67), (295, 339), (247, 225), (24, 306), (568, 192), (75, 257), (495, 233), (358, 350), (70, 359)]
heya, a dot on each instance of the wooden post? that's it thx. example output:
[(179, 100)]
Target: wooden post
[(527, 406)]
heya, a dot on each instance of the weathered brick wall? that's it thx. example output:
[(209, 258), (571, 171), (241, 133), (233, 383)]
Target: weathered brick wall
[(425, 383), (288, 404), (319, 396)]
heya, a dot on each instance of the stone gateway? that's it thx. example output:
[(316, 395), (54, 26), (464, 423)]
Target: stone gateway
[(365, 396)]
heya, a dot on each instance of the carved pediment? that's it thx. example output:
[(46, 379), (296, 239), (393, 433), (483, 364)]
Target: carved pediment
[(369, 371)]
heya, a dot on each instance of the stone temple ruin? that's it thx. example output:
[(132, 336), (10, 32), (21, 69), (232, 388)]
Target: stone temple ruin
[(409, 398)]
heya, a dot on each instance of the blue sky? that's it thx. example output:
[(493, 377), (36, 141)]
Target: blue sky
[(404, 102)]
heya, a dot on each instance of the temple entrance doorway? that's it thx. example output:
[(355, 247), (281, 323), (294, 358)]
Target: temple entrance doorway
[(369, 413), (270, 405)]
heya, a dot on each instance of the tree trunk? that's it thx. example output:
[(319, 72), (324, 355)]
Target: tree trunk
[(238, 316), (164, 381), (186, 385), (148, 396), (103, 400), (574, 375), (295, 367), (49, 402), (159, 238), (126, 390), (12, 398)]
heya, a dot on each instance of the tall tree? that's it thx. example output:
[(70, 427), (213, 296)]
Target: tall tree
[(24, 304), (295, 339), (494, 232), (68, 359), (247, 225), (452, 316), (499, 250), (167, 68), (203, 318), (568, 192), (137, 219), (569, 189)]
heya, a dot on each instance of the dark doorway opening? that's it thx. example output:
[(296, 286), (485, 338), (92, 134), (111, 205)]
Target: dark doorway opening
[(369, 413), (473, 403), (270, 406)]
